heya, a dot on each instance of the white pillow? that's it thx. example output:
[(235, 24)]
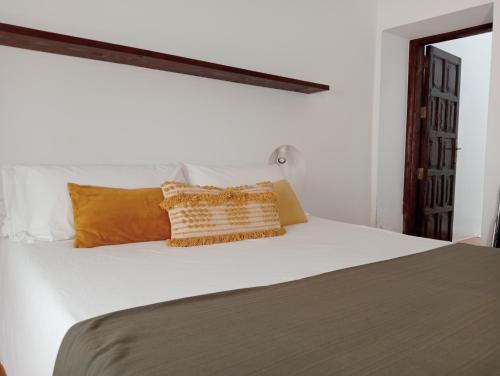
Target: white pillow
[(37, 201), (226, 176)]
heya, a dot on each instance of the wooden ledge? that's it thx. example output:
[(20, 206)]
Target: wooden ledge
[(38, 40)]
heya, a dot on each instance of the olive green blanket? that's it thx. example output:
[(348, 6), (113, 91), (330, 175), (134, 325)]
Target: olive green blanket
[(433, 313)]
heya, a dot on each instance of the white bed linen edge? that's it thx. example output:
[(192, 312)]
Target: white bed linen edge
[(45, 288)]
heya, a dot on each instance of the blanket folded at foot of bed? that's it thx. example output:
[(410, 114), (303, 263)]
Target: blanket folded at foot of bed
[(432, 313)]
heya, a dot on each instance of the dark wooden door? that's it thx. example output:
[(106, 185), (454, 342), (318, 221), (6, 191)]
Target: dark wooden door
[(438, 154)]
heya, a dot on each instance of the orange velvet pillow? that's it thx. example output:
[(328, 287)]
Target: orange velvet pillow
[(105, 216)]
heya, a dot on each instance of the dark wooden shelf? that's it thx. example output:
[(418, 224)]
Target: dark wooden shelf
[(38, 40)]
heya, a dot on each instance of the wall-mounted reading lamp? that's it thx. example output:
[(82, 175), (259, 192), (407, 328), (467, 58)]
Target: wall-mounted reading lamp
[(293, 163)]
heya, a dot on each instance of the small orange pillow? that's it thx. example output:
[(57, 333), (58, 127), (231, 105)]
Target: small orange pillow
[(105, 216)]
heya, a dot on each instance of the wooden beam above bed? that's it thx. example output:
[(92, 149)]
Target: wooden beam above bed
[(38, 40)]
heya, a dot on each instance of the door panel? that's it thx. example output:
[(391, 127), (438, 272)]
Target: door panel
[(438, 154)]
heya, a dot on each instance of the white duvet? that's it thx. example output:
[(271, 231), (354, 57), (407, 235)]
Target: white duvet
[(45, 288)]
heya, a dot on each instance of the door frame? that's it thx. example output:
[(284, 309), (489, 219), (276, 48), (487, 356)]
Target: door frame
[(415, 88)]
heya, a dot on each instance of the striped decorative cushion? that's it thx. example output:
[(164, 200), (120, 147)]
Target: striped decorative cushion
[(207, 215)]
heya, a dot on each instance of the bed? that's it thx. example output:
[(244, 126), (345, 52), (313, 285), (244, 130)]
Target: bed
[(48, 287)]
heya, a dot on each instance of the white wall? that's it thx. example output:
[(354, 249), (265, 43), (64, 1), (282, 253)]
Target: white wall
[(393, 105), (56, 109), (410, 19), (473, 122)]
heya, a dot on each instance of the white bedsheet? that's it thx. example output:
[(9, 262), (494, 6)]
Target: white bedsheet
[(45, 288)]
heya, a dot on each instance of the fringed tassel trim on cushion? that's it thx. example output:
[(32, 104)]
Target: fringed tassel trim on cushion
[(228, 195), (172, 185), (226, 238)]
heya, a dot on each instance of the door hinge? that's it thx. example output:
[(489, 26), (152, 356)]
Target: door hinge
[(423, 112), (420, 173)]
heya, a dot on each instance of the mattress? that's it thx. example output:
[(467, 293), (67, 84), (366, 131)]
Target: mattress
[(46, 288)]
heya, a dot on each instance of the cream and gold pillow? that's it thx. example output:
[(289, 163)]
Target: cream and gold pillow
[(208, 215)]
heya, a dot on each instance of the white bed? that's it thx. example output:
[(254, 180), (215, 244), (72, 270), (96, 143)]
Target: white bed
[(48, 287)]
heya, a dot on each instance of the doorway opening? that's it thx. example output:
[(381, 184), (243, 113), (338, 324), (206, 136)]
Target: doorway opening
[(446, 134)]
